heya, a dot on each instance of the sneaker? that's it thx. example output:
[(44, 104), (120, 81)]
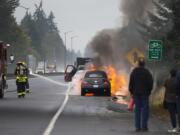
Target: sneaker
[(172, 130), (28, 91), (144, 129), (178, 130), (138, 130)]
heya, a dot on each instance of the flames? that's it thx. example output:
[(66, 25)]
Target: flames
[(118, 80)]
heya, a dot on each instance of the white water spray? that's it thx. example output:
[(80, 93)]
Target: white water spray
[(50, 80)]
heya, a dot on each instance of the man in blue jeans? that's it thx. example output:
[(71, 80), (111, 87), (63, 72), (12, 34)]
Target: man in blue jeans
[(140, 86), (177, 82)]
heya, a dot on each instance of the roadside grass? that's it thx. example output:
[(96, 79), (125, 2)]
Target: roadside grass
[(156, 104)]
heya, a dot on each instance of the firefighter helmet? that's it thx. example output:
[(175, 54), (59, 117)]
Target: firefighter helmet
[(19, 63), (24, 63)]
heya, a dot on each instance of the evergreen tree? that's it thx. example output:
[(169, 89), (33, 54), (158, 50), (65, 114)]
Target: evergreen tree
[(7, 21), (45, 37), (28, 25), (174, 35), (11, 32), (161, 22), (51, 24)]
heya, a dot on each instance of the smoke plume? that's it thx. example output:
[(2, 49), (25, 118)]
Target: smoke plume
[(110, 46)]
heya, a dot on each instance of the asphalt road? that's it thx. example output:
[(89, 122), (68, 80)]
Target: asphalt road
[(81, 115)]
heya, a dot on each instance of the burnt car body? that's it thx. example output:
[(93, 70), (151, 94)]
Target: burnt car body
[(96, 82)]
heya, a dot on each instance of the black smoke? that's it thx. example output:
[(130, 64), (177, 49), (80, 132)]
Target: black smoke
[(110, 46)]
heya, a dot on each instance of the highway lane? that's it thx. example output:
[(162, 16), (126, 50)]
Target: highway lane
[(90, 116), (81, 115), (31, 115)]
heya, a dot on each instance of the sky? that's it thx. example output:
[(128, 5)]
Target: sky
[(83, 17)]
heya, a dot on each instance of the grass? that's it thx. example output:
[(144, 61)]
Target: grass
[(156, 103)]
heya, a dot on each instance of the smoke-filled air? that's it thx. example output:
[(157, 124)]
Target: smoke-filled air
[(110, 46)]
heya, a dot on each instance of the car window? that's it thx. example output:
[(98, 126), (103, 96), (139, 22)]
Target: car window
[(69, 69), (96, 75)]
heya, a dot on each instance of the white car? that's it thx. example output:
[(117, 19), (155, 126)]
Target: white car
[(39, 71)]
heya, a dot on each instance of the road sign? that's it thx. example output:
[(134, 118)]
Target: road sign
[(155, 50), (134, 55)]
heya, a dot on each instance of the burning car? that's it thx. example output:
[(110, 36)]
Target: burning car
[(96, 82)]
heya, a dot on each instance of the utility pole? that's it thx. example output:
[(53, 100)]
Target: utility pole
[(65, 53), (72, 38)]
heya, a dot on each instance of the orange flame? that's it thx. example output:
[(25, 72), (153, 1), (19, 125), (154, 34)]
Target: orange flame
[(91, 67), (118, 80)]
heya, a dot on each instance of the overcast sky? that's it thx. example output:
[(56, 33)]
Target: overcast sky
[(83, 17)]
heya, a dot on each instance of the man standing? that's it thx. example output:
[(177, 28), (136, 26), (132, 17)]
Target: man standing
[(27, 75), (177, 83), (140, 86)]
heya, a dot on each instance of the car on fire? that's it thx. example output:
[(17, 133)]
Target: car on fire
[(96, 82)]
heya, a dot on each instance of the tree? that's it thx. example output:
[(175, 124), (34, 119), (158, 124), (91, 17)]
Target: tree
[(11, 32), (174, 35), (7, 21), (52, 25), (44, 34), (29, 27), (160, 23)]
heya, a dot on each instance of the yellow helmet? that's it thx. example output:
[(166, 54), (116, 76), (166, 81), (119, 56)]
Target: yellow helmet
[(24, 63), (19, 63)]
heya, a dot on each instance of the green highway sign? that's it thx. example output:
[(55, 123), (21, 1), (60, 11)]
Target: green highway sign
[(155, 50)]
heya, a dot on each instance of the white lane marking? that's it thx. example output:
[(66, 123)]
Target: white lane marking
[(52, 123)]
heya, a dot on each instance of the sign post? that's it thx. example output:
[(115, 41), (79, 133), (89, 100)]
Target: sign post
[(155, 53)]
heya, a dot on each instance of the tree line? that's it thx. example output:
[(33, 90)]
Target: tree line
[(37, 34)]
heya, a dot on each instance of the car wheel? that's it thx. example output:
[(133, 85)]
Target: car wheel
[(1, 91), (83, 93), (108, 93)]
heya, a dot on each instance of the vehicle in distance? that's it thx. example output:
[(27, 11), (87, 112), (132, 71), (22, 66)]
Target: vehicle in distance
[(51, 68), (40, 68), (96, 82)]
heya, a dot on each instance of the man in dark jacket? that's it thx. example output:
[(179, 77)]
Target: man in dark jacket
[(27, 75), (140, 86), (177, 82)]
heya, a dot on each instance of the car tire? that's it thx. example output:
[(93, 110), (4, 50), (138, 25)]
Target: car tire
[(1, 91), (83, 93), (108, 93)]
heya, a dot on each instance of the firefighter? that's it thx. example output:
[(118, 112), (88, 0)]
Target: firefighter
[(21, 79), (27, 75)]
